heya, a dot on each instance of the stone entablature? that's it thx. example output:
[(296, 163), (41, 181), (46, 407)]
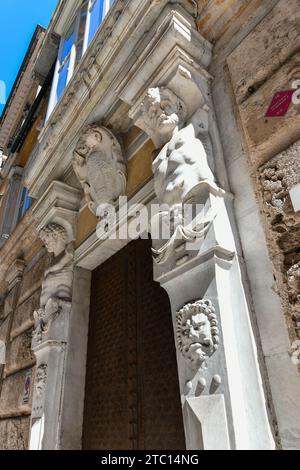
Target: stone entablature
[(90, 91)]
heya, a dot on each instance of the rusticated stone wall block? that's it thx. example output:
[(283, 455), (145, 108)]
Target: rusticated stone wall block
[(19, 353), (14, 433), (23, 316), (33, 277), (12, 395), (267, 62), (266, 48)]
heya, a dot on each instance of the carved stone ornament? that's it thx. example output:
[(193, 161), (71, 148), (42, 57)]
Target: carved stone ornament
[(58, 278), (41, 380), (197, 332), (163, 113), (181, 234), (279, 175), (100, 167), (295, 352)]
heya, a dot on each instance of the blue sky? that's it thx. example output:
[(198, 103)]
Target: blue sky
[(18, 20)]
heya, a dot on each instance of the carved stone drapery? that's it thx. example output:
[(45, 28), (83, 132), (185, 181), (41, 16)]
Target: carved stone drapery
[(100, 167)]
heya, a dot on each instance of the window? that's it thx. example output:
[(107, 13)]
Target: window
[(96, 16), (64, 61), (24, 204), (74, 44)]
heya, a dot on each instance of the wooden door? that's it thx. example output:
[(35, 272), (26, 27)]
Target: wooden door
[(132, 398)]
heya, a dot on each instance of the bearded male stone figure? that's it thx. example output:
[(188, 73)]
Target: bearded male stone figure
[(179, 167), (183, 161)]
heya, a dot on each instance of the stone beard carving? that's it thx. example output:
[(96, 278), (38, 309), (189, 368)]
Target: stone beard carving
[(163, 113), (41, 380), (197, 332), (99, 165), (58, 278)]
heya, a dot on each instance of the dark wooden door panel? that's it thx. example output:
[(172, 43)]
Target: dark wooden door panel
[(132, 398)]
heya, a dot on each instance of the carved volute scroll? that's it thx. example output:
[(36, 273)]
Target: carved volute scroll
[(100, 167)]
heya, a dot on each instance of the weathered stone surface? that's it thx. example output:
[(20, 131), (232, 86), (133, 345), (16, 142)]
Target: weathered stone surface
[(283, 230), (266, 48), (3, 328), (33, 277), (268, 136), (8, 303), (19, 353), (14, 433), (1, 309), (23, 316), (12, 394)]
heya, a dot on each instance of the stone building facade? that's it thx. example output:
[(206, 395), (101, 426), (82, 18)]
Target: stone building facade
[(142, 342)]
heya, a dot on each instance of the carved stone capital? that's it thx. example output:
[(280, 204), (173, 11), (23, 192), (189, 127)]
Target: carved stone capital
[(99, 166), (15, 273), (58, 205)]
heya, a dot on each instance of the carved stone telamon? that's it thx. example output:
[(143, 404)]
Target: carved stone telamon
[(183, 161), (180, 167), (197, 332), (57, 283), (100, 167)]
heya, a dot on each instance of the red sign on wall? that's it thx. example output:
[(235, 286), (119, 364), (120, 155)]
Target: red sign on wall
[(280, 103)]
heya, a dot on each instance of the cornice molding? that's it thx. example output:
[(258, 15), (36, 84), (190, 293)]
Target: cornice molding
[(130, 28)]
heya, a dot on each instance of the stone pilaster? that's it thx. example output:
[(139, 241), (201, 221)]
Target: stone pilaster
[(56, 213), (221, 389)]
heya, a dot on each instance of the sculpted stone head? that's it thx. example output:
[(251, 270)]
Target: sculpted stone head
[(90, 141), (99, 165), (163, 113), (55, 238), (197, 332)]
